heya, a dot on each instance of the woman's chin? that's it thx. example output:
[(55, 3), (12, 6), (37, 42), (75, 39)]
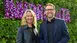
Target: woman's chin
[(29, 22)]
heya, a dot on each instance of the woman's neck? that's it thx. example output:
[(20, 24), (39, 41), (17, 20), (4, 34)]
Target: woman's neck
[(30, 25)]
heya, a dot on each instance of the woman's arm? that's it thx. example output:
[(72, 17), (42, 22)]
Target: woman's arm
[(19, 36)]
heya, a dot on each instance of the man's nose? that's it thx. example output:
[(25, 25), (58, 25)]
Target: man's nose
[(49, 11)]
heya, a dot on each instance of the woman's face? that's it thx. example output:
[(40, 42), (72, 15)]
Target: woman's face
[(29, 18)]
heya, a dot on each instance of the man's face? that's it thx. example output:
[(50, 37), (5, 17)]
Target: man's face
[(50, 11)]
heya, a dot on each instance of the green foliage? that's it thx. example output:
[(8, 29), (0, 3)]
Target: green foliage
[(8, 30), (1, 8), (8, 27)]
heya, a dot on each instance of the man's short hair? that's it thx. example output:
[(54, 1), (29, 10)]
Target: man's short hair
[(50, 4)]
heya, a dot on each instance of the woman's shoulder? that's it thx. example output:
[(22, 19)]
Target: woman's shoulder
[(20, 29), (24, 27)]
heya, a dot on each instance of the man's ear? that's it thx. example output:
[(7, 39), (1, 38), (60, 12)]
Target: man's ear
[(45, 12), (54, 11)]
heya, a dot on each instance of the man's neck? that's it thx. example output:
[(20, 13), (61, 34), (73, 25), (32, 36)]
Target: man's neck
[(49, 19)]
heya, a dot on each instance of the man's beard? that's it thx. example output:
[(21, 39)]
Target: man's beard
[(51, 16)]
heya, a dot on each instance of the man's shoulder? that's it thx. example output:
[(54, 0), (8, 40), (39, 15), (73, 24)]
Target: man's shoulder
[(59, 20), (44, 22)]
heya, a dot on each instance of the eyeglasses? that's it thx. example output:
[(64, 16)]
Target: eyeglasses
[(49, 9)]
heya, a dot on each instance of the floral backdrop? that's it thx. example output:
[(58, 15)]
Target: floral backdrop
[(17, 10)]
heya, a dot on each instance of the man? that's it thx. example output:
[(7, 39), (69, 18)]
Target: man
[(53, 30)]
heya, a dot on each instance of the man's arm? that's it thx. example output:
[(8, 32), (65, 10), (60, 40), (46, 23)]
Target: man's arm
[(65, 35), (41, 35)]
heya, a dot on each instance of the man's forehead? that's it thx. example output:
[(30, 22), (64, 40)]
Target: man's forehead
[(49, 7)]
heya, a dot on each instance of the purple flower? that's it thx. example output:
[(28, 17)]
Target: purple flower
[(31, 5), (20, 9), (25, 6), (64, 14), (17, 11)]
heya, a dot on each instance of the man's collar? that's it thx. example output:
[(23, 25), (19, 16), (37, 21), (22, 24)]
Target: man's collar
[(51, 20)]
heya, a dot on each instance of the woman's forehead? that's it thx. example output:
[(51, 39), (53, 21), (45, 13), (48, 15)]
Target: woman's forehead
[(28, 13)]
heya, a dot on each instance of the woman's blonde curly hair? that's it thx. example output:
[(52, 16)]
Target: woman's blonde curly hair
[(23, 21)]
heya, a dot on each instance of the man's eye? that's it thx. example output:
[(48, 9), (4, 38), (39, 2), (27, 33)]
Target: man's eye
[(49, 9)]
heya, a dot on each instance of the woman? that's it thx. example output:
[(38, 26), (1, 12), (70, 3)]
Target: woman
[(27, 33)]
